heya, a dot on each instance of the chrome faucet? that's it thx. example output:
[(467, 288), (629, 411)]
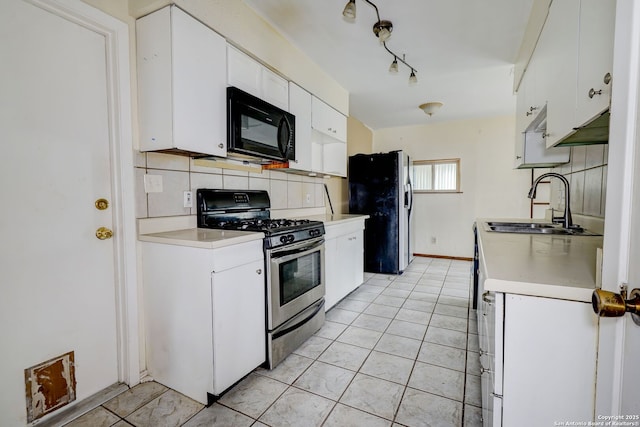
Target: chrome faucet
[(567, 221)]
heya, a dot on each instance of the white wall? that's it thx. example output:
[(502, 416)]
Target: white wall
[(490, 187)]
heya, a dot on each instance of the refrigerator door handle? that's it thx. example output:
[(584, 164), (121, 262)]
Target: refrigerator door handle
[(410, 196)]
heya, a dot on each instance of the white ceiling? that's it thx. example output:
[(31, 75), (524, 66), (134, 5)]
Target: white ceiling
[(463, 51)]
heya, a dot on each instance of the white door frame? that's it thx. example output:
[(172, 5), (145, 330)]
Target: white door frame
[(116, 34), (623, 136)]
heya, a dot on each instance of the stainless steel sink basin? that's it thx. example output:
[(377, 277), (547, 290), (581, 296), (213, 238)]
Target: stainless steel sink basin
[(521, 224), (535, 228)]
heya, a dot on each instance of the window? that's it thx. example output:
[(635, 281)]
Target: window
[(436, 176)]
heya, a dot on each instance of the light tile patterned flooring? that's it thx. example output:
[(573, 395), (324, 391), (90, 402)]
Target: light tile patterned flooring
[(398, 351)]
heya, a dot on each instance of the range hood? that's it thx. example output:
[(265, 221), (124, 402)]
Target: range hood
[(594, 132)]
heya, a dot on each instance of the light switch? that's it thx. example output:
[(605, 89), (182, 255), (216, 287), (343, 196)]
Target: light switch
[(153, 183)]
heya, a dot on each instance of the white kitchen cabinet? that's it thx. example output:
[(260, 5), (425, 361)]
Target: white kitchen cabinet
[(344, 259), (595, 58), (300, 107), (532, 151), (252, 77), (553, 336), (536, 353), (204, 315), (327, 120), (181, 84), (559, 56)]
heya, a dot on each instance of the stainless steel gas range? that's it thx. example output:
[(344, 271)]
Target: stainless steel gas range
[(294, 264)]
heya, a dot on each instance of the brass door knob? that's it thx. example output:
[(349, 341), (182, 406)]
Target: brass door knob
[(610, 304), (102, 204), (103, 233)]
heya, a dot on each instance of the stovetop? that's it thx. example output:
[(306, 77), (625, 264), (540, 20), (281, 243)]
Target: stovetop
[(266, 225), (248, 210)]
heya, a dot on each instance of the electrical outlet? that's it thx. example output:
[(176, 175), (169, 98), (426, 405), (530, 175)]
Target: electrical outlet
[(188, 199), (433, 240), (308, 198)]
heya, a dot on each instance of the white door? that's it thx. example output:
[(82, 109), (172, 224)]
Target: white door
[(618, 373), (56, 130)]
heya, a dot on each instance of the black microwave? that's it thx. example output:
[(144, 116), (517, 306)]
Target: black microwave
[(257, 128)]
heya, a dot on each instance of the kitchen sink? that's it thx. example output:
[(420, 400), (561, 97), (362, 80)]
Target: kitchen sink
[(536, 228)]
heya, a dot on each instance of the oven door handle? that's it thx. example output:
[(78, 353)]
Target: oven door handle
[(288, 329), (292, 253)]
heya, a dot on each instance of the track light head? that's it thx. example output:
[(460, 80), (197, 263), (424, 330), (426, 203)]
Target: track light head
[(349, 12), (393, 68), (413, 80)]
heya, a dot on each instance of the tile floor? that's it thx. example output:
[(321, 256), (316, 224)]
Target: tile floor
[(398, 351)]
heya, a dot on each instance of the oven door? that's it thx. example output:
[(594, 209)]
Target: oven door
[(296, 279)]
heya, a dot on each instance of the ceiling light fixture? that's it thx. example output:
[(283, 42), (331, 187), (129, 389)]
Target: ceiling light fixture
[(382, 29), (430, 108)]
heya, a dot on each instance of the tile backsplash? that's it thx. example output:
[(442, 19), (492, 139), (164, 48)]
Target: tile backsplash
[(587, 175), (180, 174)]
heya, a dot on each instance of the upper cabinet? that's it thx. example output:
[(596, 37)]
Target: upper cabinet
[(570, 72), (557, 67), (321, 135), (252, 77), (595, 59), (327, 120), (181, 84), (329, 139)]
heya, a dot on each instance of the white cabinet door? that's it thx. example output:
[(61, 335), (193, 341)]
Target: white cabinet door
[(300, 106), (238, 323), (181, 84), (595, 58), (252, 77), (244, 72), (275, 89), (327, 120), (344, 260), (557, 338), (560, 40), (536, 154)]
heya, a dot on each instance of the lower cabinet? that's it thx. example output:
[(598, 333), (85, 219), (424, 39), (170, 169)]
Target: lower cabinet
[(538, 358), (204, 315), (344, 260)]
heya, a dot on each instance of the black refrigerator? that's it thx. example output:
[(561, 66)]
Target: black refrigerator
[(380, 186)]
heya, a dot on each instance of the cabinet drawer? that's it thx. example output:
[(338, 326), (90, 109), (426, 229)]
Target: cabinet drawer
[(235, 255)]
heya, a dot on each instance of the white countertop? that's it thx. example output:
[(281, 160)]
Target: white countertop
[(553, 266), (329, 219), (202, 237)]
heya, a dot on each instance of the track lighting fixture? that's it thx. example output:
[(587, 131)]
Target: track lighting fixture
[(382, 29)]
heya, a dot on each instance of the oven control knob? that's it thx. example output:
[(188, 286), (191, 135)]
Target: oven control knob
[(287, 239)]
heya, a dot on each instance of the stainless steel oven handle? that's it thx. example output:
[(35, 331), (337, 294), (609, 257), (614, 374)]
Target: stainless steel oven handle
[(280, 260), (301, 248)]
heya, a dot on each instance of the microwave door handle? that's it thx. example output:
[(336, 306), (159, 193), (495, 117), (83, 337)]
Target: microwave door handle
[(284, 131)]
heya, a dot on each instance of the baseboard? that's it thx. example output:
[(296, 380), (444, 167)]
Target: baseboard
[(457, 258)]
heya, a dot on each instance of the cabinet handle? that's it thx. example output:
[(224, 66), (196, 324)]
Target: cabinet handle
[(483, 370), (221, 145), (593, 92), (518, 157), (607, 78), (531, 110), (259, 271)]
